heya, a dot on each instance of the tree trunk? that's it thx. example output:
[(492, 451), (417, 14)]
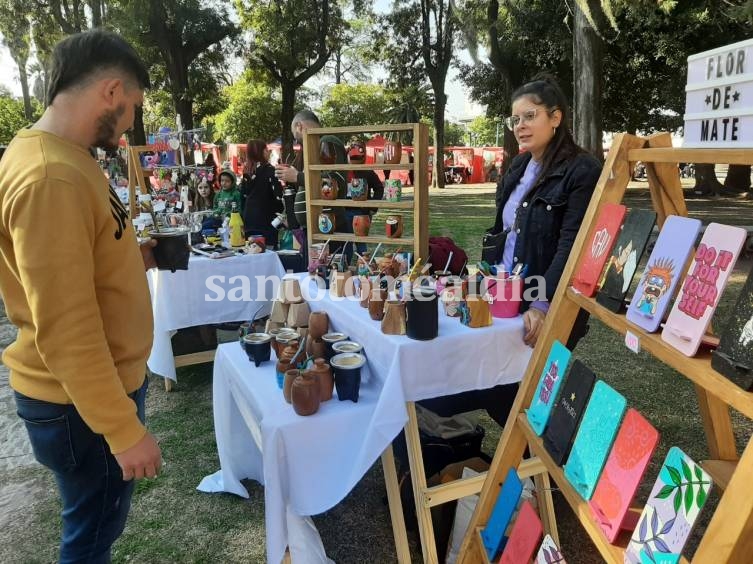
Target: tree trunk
[(587, 57), (23, 77), (338, 66), (287, 112), (738, 179), (705, 180), (184, 108), (439, 106), (137, 135)]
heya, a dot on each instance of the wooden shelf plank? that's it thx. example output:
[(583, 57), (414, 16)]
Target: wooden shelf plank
[(720, 471), (361, 129), (610, 552), (373, 166), (483, 558), (697, 369), (407, 242), (342, 203), (671, 155)]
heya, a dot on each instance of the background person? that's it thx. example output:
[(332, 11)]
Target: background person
[(78, 294), (541, 201), (262, 193)]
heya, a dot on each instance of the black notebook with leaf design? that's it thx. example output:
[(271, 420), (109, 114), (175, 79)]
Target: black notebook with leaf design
[(734, 356), (566, 414)]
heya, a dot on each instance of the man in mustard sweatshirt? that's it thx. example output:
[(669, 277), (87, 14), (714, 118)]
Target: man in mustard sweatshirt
[(72, 279)]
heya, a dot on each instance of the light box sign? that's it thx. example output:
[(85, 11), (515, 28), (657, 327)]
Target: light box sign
[(719, 97)]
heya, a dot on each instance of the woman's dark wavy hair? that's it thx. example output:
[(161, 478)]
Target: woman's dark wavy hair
[(544, 89), (254, 155)]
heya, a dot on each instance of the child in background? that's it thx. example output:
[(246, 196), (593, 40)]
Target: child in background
[(228, 194), (204, 198)]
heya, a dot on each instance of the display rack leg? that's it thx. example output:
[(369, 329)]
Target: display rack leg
[(418, 477), (168, 385), (396, 506)]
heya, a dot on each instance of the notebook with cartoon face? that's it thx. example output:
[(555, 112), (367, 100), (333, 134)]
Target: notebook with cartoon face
[(599, 247), (493, 535), (626, 255), (676, 500), (524, 537), (662, 273), (703, 286), (595, 436), (549, 384), (734, 357), (623, 471), (568, 410)]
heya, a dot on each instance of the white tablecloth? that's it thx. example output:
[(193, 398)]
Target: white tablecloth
[(179, 299), (309, 464)]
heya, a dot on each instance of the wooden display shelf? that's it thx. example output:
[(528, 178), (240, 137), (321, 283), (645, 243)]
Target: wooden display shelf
[(341, 203), (729, 534), (710, 156), (698, 368), (611, 552), (404, 241), (372, 166)]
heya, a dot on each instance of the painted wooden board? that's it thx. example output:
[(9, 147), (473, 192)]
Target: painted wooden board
[(596, 434), (597, 250), (493, 534), (568, 410), (660, 278), (524, 537), (549, 384), (549, 552), (703, 286), (630, 455), (676, 500), (734, 357), (623, 264)]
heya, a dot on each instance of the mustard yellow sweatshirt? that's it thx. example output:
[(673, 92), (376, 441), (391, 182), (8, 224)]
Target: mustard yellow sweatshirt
[(73, 282)]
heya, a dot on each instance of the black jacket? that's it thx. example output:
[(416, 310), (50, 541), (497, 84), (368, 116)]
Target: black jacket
[(549, 217), (262, 193)]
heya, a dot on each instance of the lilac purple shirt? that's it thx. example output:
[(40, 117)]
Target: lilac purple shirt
[(508, 220)]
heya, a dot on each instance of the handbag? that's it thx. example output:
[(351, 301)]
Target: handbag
[(493, 246)]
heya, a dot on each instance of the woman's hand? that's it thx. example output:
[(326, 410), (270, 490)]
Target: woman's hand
[(533, 321)]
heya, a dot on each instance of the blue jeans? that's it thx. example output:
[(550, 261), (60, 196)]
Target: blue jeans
[(95, 498)]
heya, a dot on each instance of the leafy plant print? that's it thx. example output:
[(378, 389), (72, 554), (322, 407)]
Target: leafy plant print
[(694, 491)]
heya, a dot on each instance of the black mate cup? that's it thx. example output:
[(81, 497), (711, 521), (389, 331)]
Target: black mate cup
[(347, 371), (172, 250), (258, 347), (422, 314), (331, 339)]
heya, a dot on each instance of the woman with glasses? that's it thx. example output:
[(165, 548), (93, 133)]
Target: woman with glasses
[(541, 201)]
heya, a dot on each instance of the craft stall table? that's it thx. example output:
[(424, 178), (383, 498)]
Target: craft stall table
[(309, 464), (181, 299)]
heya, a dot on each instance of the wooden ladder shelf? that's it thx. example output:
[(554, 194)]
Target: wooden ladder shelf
[(729, 535)]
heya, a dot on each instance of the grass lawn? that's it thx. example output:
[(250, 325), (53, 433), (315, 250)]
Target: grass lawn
[(171, 522)]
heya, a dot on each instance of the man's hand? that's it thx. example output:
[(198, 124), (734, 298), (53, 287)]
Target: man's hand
[(533, 321), (142, 460), (286, 173), (147, 254)]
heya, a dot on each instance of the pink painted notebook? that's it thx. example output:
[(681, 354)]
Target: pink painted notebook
[(627, 462), (524, 538), (703, 286)]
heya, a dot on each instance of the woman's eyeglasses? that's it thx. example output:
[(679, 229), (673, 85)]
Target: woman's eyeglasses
[(526, 117)]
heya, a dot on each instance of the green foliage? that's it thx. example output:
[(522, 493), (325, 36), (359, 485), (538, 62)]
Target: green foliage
[(12, 117), (485, 131), (454, 134), (354, 104), (253, 112)]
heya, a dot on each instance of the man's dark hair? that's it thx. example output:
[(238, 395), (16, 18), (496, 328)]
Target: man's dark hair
[(79, 57)]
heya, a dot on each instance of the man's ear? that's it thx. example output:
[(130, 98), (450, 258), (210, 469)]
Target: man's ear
[(111, 91)]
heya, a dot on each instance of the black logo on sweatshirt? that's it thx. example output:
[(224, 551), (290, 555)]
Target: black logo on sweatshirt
[(119, 213)]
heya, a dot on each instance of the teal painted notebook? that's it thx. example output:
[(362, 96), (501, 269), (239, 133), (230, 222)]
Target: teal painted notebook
[(594, 439), (549, 385)]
